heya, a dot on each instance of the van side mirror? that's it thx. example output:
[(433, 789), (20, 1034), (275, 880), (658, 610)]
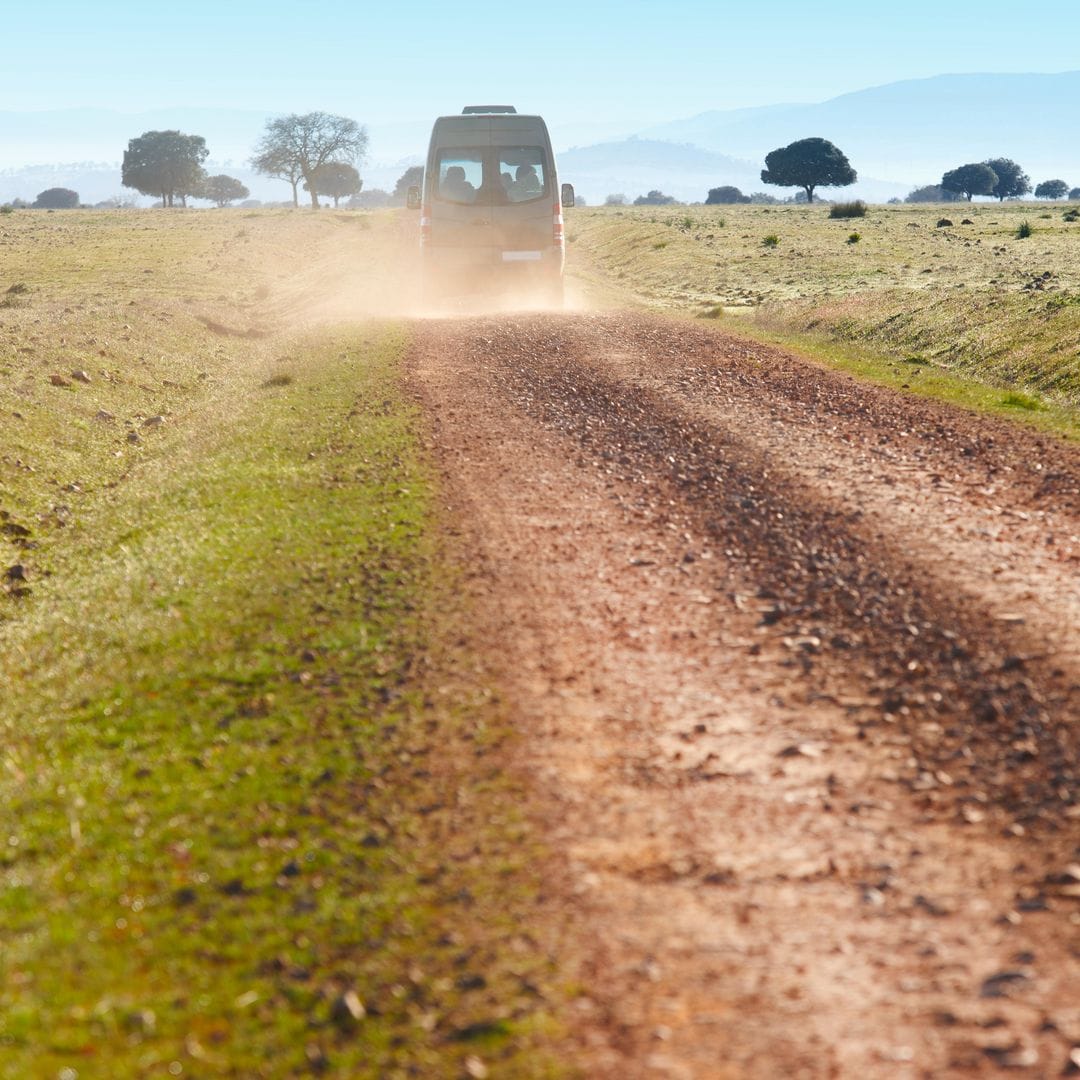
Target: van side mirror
[(412, 198), (568, 195)]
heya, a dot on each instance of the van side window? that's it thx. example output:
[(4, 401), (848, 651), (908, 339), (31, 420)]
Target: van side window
[(461, 173), (523, 172)]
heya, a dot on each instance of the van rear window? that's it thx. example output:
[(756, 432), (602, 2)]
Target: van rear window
[(495, 177), (521, 172), (461, 174)]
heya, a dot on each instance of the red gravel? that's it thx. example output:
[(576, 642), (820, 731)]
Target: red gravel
[(796, 666)]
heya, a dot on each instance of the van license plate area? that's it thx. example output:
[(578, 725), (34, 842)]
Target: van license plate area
[(521, 256)]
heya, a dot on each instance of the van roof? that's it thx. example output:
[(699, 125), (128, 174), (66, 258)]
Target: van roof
[(470, 110)]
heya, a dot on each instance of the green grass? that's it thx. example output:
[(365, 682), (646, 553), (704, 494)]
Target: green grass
[(245, 781), (975, 302)]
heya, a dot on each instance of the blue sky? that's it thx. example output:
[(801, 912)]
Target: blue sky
[(631, 63)]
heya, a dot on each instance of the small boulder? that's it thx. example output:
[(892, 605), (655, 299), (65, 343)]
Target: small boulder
[(81, 376), (58, 380)]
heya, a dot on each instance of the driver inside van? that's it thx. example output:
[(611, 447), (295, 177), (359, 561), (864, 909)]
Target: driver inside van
[(455, 186)]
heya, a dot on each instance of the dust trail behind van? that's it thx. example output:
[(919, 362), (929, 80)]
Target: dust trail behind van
[(491, 207)]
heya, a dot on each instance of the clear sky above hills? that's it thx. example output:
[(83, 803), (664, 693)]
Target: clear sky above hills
[(630, 63)]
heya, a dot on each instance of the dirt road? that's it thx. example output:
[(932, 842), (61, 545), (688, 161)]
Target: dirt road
[(796, 662)]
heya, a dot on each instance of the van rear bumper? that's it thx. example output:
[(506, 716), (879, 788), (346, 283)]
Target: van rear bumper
[(454, 260), (448, 271)]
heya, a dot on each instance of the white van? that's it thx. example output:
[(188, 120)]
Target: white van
[(491, 205)]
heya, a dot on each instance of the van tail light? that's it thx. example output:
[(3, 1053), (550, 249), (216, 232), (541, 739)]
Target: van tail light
[(425, 225), (557, 226)]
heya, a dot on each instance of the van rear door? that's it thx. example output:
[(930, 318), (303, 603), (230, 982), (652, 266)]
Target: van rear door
[(522, 218), (462, 214)]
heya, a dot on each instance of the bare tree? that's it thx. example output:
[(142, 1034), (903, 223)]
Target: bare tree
[(294, 147), (278, 164)]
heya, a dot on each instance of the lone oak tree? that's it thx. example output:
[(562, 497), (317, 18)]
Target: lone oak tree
[(1051, 189), (809, 164), (972, 179), (224, 189), (294, 147), (164, 163)]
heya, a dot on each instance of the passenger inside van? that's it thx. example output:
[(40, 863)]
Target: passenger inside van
[(527, 185), (456, 187)]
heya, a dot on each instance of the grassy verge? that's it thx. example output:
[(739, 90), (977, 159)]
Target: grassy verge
[(252, 814), (989, 319)]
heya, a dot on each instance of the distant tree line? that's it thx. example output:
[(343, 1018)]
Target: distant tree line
[(999, 178)]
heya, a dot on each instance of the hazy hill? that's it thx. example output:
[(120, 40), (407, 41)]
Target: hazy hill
[(915, 130), (897, 136)]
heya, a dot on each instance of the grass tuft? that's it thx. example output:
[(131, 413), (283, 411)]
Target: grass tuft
[(1024, 230), (854, 209), (1017, 400), (771, 241)]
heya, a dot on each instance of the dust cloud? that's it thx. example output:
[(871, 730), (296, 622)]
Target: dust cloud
[(367, 266)]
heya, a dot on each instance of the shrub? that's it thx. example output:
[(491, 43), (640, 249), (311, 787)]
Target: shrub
[(1024, 231), (6, 209), (854, 238), (1071, 215), (848, 209), (771, 240), (932, 193), (725, 194), (943, 222)]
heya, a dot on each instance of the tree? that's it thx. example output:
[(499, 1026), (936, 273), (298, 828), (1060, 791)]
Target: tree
[(725, 196), (194, 187), (809, 164), (974, 178), (617, 199), (223, 189), (654, 198), (932, 193), (337, 179), (57, 198), (372, 199), (279, 165), (413, 176), (1074, 194), (293, 147), (1012, 181), (1048, 189), (164, 163)]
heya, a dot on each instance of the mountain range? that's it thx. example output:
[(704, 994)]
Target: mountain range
[(897, 136)]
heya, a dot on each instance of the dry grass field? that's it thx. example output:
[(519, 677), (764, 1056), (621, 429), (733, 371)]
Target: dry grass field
[(970, 298)]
